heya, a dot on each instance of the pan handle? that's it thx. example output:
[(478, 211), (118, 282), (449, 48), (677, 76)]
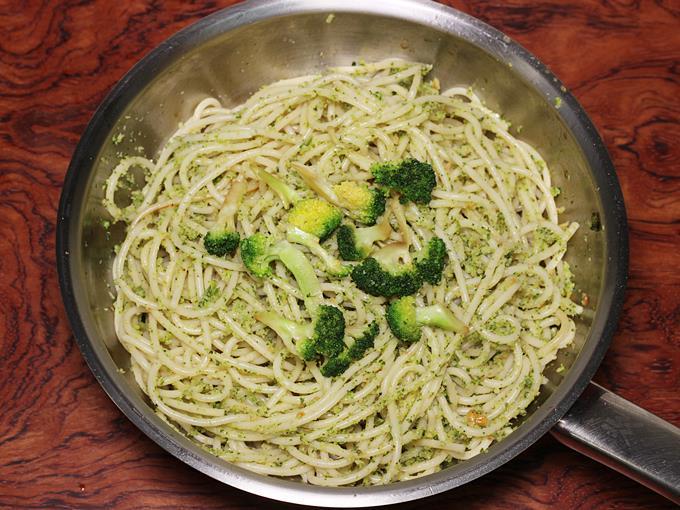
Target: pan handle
[(625, 437)]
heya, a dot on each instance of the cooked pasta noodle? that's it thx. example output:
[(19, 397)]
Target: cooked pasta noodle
[(402, 411)]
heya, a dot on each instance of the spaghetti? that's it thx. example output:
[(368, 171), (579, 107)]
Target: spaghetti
[(402, 411)]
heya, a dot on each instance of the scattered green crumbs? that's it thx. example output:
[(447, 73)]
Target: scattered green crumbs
[(209, 296), (595, 222)]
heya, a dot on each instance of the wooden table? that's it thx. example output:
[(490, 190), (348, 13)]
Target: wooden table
[(63, 444)]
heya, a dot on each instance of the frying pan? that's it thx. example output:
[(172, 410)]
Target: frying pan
[(232, 53)]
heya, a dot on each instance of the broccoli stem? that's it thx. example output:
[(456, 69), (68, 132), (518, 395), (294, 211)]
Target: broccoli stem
[(439, 317), (398, 211), (391, 255), (316, 183), (378, 232), (285, 328), (232, 201), (303, 272), (406, 320), (287, 194), (311, 242), (257, 253)]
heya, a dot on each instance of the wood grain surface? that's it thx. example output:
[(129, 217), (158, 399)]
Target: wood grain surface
[(63, 444)]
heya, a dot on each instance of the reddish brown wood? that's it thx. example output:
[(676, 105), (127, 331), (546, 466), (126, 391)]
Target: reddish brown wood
[(63, 444)]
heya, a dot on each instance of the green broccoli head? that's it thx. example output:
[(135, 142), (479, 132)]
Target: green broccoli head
[(375, 279), (364, 204), (221, 243), (406, 320), (401, 318), (257, 253), (315, 216), (337, 365), (347, 244), (357, 243), (383, 275), (364, 342), (329, 330), (412, 179), (430, 264), (306, 348)]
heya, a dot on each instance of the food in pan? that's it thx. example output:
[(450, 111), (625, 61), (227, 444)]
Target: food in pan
[(351, 278)]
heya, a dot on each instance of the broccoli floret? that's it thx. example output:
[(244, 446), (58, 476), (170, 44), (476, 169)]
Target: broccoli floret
[(258, 252), (364, 342), (384, 275), (221, 243), (335, 366), (312, 243), (412, 179), (315, 216), (431, 263), (371, 277), (357, 243), (363, 204), (406, 320), (338, 364), (287, 194), (323, 336), (329, 330), (347, 244), (223, 239)]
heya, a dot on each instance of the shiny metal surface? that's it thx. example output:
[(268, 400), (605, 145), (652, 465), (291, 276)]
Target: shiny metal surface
[(232, 53), (625, 437)]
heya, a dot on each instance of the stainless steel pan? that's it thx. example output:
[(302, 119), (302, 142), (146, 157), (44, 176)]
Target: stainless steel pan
[(232, 53)]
